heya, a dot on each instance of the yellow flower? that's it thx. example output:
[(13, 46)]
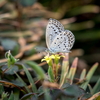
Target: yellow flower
[(47, 59), (55, 56)]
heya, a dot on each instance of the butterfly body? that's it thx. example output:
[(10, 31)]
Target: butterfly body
[(58, 39)]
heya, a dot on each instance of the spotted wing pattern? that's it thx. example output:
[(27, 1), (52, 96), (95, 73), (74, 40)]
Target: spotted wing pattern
[(63, 42), (54, 28), (58, 39)]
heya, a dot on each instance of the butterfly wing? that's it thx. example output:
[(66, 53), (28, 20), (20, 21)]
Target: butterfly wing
[(53, 29), (63, 42)]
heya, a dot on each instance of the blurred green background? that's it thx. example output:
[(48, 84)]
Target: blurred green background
[(23, 26)]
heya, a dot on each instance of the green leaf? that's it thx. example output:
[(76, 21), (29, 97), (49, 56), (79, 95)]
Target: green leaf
[(11, 96), (39, 71), (74, 90), (16, 94), (58, 94), (65, 85), (23, 82), (30, 52), (86, 96), (83, 74), (73, 70), (89, 76), (30, 79), (90, 88), (4, 96), (64, 70), (96, 88), (1, 89), (18, 82), (47, 94), (51, 74), (40, 90), (10, 84), (27, 96), (9, 44), (10, 59), (10, 70)]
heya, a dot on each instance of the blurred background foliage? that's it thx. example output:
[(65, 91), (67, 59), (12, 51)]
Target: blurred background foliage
[(23, 24)]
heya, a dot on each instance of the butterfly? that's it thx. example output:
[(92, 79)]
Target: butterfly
[(58, 40)]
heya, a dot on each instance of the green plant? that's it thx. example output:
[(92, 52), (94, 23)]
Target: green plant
[(66, 79), (54, 85)]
